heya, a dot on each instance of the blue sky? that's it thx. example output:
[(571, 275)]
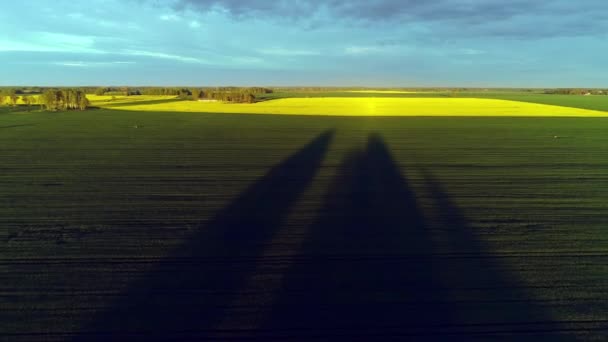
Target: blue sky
[(481, 43)]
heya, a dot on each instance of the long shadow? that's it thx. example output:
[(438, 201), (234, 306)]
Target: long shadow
[(190, 292), (17, 109), (367, 270), (15, 126), (487, 299), (374, 268)]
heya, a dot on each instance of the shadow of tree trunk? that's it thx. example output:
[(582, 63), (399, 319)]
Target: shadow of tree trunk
[(190, 291)]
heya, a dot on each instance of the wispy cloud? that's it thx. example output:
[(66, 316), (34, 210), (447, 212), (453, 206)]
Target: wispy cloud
[(50, 42), (90, 64), (67, 41), (72, 64), (471, 52), (162, 55), (276, 51), (363, 50), (170, 17)]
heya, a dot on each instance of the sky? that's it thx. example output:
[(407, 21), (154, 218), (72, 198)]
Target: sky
[(379, 43)]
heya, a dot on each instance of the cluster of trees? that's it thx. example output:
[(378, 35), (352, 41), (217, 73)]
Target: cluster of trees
[(229, 94), (236, 97), (75, 99), (29, 100), (12, 96), (127, 91), (49, 99), (64, 99), (249, 90), (164, 91), (9, 95), (576, 91)]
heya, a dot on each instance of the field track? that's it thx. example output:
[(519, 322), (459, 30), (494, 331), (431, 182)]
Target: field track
[(146, 225)]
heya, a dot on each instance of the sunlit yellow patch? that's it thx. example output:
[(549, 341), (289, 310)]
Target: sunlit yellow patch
[(372, 91), (365, 106)]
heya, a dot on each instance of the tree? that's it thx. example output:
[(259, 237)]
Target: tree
[(233, 94), (82, 101), (184, 93), (13, 97), (2, 98), (249, 98), (51, 99), (66, 99), (196, 94), (100, 91)]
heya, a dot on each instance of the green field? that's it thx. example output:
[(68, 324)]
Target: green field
[(189, 225), (574, 101)]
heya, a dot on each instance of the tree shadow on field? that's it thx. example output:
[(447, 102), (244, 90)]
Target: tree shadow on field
[(367, 270), (187, 294), (15, 126), (371, 268)]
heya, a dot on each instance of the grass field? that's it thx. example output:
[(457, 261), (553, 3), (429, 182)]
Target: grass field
[(586, 102), (361, 106), (154, 224)]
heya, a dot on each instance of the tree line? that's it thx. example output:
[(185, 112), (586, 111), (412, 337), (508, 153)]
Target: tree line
[(133, 91), (54, 99), (230, 94), (64, 99), (226, 94), (10, 95), (14, 95), (577, 91)]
